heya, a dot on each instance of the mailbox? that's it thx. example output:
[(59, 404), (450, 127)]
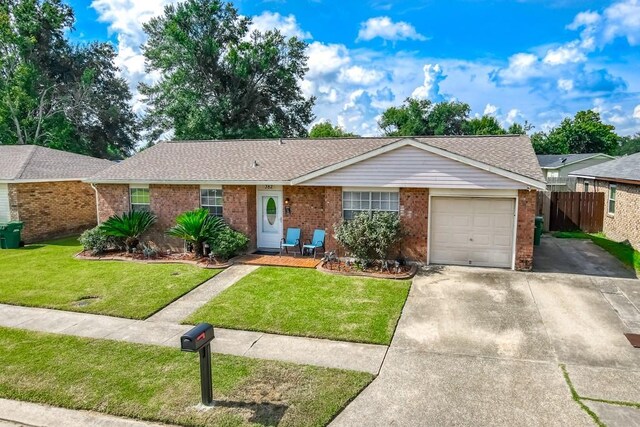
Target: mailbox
[(197, 337), (198, 340)]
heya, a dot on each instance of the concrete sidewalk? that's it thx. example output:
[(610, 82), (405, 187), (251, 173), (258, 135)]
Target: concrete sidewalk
[(15, 413), (189, 303), (319, 352)]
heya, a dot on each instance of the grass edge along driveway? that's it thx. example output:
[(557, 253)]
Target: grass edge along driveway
[(162, 384), (307, 302), (47, 275), (625, 253)]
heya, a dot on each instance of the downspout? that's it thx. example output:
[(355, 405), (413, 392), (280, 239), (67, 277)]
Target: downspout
[(97, 209)]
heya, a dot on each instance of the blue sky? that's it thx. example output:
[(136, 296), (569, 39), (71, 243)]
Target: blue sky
[(529, 59)]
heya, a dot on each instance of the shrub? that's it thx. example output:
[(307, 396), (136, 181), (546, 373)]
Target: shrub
[(96, 241), (227, 243), (369, 237), (196, 227), (130, 226)]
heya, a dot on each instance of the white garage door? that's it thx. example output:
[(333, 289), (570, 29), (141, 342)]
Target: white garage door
[(472, 231), (4, 203)]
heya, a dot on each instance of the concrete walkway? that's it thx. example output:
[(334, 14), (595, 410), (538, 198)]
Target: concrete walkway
[(311, 351), (15, 413), (189, 303)]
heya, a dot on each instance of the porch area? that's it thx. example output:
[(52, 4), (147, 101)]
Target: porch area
[(279, 261)]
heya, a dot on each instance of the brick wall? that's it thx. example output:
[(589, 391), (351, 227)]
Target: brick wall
[(623, 224), (524, 233), (414, 214), (239, 210), (52, 209), (307, 210), (167, 202), (332, 216), (113, 199)]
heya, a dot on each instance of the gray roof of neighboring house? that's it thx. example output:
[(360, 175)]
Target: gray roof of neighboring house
[(554, 161), (625, 168), (232, 160), (35, 163)]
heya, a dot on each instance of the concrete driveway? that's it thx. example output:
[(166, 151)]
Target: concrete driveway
[(484, 347)]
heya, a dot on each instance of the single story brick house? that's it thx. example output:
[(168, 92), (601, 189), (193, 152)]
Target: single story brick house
[(466, 200), (43, 188), (619, 180)]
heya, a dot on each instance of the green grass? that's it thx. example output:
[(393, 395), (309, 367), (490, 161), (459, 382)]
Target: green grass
[(625, 253), (162, 384), (306, 302), (48, 275)]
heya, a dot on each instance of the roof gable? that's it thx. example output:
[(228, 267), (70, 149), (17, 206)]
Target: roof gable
[(408, 165), (557, 161), (624, 168)]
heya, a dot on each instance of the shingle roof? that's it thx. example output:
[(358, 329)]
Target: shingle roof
[(32, 162), (627, 168), (553, 161), (231, 161)]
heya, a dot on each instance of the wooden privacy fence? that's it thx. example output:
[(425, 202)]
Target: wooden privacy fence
[(573, 211)]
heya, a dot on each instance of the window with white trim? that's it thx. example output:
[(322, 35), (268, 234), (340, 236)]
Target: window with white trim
[(586, 186), (211, 199), (612, 198), (139, 199), (354, 202)]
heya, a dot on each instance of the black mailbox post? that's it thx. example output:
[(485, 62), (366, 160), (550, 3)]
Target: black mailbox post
[(199, 339)]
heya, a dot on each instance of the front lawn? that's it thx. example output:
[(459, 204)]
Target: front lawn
[(162, 384), (306, 302), (47, 275), (624, 253)]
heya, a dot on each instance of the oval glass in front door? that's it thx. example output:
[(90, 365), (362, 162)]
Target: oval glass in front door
[(270, 214)]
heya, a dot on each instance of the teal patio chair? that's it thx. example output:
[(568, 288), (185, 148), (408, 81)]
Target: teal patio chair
[(317, 242), (291, 241)]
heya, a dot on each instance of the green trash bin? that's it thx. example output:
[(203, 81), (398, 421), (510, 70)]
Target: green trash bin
[(10, 234), (537, 234)]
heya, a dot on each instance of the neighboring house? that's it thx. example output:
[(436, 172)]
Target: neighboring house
[(619, 180), (43, 188), (462, 200), (557, 167)]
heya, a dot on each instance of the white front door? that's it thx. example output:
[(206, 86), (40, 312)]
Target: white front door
[(269, 219)]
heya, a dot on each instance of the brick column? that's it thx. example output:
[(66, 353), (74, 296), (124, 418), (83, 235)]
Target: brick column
[(524, 233), (167, 202), (307, 209), (239, 210), (332, 215), (414, 212)]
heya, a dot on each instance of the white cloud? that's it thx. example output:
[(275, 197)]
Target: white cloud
[(288, 25), (636, 112), (570, 52), (514, 115), (521, 67), (565, 84), (386, 29), (326, 59), (430, 88), (490, 110), (622, 19), (360, 76), (584, 19)]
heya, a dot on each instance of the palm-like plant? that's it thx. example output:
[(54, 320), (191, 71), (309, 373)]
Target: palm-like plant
[(196, 227), (130, 226)]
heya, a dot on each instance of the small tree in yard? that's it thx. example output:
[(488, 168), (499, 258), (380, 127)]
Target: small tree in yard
[(196, 227), (130, 226), (369, 237)]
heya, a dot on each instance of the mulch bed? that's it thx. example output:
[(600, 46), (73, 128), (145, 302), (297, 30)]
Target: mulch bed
[(159, 258), (348, 269)]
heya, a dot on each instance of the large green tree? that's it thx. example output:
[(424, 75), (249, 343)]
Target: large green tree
[(422, 117), (55, 94), (584, 133), (629, 145), (218, 80), (327, 130), (485, 125)]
